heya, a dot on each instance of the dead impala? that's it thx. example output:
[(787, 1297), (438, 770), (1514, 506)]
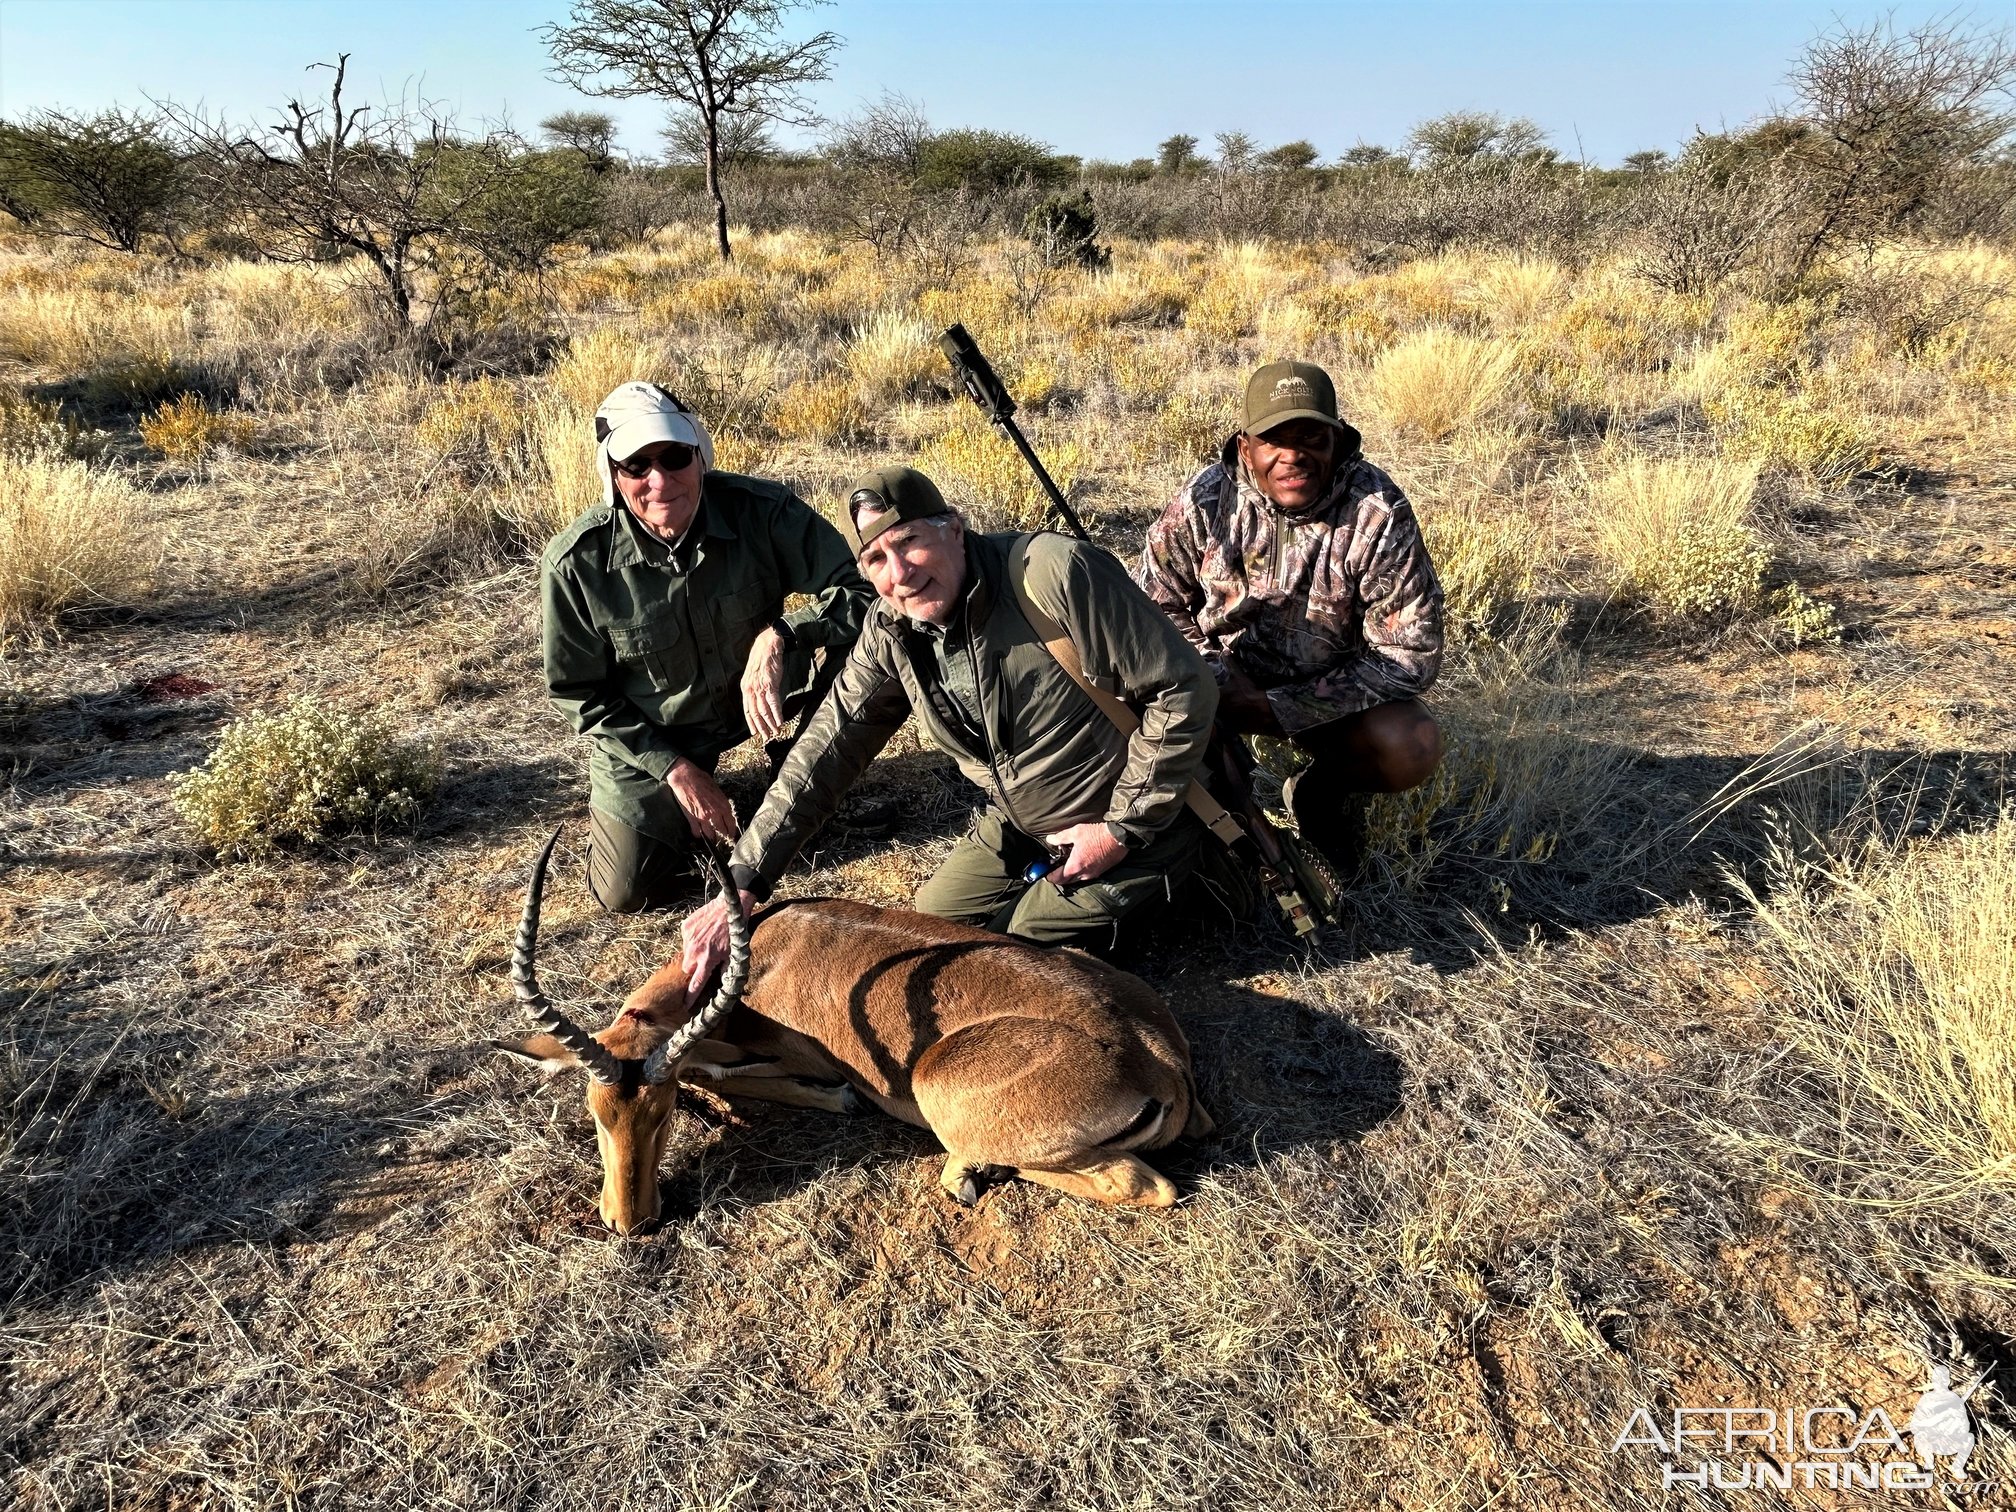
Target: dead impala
[(1048, 1064)]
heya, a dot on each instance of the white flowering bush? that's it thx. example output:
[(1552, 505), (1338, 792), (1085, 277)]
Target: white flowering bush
[(303, 775)]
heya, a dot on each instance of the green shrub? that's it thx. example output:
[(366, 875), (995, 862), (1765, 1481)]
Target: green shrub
[(302, 776), (1064, 230)]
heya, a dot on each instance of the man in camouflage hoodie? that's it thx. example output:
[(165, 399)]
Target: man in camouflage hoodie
[(1298, 570)]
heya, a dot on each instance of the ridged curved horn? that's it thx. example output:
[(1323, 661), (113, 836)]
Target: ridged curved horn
[(663, 1061), (592, 1053)]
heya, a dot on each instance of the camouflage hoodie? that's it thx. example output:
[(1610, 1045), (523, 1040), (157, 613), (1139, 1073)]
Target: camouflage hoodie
[(1331, 609)]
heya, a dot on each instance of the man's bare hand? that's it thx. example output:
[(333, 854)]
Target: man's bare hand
[(763, 686), (709, 814), (706, 932), (1093, 853)]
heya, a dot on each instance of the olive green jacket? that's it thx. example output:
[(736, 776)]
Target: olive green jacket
[(1043, 753), (645, 644)]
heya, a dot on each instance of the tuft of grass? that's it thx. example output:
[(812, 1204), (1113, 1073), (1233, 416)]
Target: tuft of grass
[(717, 298), (981, 470), (302, 776), (77, 329), (825, 411), (1789, 432), (1218, 312), (891, 357), (187, 430), (1513, 292), (1438, 381), (1675, 536), (38, 427), (479, 427), (565, 480), (1186, 431), (1484, 559), (1898, 966), (596, 361), (68, 537), (1519, 784), (141, 382)]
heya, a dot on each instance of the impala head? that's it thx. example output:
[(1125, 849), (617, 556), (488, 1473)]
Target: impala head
[(633, 1064)]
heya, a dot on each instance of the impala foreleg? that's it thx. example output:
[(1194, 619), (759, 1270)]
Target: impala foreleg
[(1118, 1180)]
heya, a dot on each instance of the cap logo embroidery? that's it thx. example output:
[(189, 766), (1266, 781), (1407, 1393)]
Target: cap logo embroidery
[(1294, 388)]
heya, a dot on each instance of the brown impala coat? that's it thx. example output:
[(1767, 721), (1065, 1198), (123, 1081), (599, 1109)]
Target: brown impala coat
[(1050, 1063)]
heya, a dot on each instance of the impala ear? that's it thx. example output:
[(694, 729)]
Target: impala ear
[(541, 1050)]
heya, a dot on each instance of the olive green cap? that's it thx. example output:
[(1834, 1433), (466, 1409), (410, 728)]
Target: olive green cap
[(896, 494), (1284, 391)]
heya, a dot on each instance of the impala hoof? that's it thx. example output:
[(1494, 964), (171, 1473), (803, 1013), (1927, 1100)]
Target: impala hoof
[(967, 1184)]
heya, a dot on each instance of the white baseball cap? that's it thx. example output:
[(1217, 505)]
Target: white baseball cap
[(637, 415)]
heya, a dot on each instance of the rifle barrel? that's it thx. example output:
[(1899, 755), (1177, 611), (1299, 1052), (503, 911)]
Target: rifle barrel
[(1057, 499)]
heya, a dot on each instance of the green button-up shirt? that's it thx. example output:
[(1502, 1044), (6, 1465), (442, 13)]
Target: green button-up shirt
[(645, 643)]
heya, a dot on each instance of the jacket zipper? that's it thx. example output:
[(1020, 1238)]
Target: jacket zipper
[(987, 736)]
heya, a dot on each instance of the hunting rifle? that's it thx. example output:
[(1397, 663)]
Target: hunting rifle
[(1294, 881)]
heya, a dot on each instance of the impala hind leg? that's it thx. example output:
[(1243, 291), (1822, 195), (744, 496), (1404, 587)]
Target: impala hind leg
[(1117, 1180)]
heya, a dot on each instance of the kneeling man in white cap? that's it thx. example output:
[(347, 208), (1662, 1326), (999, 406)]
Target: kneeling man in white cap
[(666, 640)]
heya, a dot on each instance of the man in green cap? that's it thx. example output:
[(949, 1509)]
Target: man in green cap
[(666, 640), (1297, 569), (949, 640)]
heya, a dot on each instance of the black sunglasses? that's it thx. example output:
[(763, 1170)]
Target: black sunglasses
[(674, 456)]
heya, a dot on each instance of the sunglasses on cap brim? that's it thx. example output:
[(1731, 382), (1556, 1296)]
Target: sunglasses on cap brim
[(673, 456)]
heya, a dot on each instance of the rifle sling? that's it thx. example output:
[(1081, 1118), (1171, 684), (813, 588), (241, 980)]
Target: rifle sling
[(1058, 642)]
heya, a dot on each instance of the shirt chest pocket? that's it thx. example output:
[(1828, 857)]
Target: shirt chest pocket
[(659, 649), (744, 611)]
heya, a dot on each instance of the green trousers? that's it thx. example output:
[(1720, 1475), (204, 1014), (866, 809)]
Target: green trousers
[(632, 869), (981, 883)]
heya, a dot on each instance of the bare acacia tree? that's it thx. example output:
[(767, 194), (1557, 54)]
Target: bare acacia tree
[(717, 57), (1894, 117), (878, 156), (401, 190)]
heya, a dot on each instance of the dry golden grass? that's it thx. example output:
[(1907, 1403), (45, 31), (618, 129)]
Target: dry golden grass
[(980, 471), (891, 357), (1562, 1123), (1439, 381), (1902, 961), (188, 431), (1678, 536), (71, 538)]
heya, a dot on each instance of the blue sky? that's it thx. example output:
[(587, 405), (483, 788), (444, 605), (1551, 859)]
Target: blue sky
[(1103, 78)]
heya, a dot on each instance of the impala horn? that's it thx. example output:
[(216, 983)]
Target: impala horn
[(663, 1061), (594, 1056)]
